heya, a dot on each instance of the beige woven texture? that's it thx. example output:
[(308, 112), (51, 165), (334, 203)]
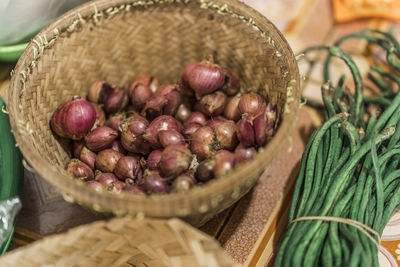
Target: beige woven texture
[(117, 40), (123, 242)]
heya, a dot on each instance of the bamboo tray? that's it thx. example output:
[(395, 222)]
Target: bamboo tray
[(124, 242)]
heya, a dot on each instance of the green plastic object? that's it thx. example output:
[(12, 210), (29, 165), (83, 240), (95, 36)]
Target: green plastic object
[(11, 169), (11, 53)]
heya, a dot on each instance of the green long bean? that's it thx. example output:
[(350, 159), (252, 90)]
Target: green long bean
[(349, 169)]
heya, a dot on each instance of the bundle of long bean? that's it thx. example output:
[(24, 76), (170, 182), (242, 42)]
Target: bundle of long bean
[(349, 181)]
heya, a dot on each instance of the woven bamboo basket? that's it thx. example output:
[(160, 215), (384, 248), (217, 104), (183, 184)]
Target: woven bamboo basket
[(123, 242), (117, 40)]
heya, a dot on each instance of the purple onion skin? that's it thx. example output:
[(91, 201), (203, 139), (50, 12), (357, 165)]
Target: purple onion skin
[(95, 185), (100, 138), (171, 94), (198, 107), (134, 190), (225, 135), (146, 80), (73, 119), (245, 132), (183, 183), (205, 170), (205, 78), (154, 84), (213, 104), (137, 124), (128, 167), (116, 100), (79, 170), (183, 113), (155, 184), (260, 126), (175, 159), (116, 187), (261, 111), (89, 157), (264, 125), (243, 154), (117, 146), (202, 141), (153, 159), (186, 90), (170, 137), (100, 116), (223, 153), (154, 107), (164, 122), (115, 121), (196, 117), (106, 178), (231, 110), (232, 83), (224, 162), (190, 129), (98, 91), (132, 131), (77, 148), (166, 89), (250, 103), (142, 79), (107, 159), (135, 144), (214, 122), (139, 95), (174, 100), (139, 178)]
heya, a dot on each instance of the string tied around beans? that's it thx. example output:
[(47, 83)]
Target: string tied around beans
[(360, 226)]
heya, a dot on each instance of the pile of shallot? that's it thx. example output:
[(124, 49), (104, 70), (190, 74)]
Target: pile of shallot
[(150, 138)]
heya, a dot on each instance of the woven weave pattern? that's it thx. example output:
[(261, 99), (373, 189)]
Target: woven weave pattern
[(159, 40), (123, 242)]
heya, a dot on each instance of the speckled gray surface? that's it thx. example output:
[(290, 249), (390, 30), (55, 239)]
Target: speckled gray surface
[(243, 227)]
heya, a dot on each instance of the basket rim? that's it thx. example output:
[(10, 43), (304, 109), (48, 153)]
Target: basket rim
[(49, 172)]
